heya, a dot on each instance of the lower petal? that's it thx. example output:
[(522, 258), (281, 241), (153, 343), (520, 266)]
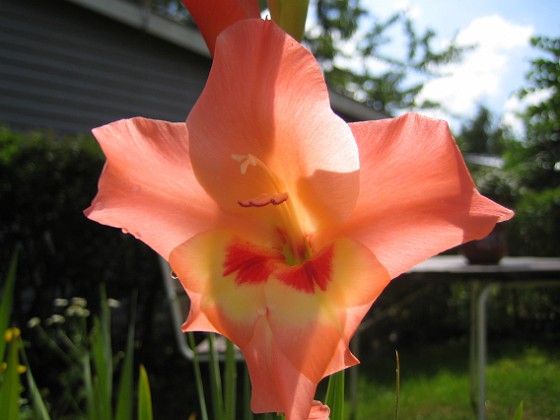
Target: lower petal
[(218, 303), (313, 330), (277, 385)]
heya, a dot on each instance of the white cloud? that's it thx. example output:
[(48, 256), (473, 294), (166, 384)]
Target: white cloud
[(479, 75)]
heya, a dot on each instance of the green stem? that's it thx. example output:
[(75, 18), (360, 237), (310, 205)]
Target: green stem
[(247, 413), (230, 381)]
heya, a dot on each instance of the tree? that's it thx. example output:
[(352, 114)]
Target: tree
[(535, 161), (353, 68), (539, 156), (481, 135)]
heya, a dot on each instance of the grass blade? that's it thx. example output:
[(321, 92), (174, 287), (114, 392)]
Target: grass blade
[(144, 397), (6, 303)]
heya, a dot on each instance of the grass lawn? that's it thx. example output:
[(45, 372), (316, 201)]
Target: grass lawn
[(435, 382)]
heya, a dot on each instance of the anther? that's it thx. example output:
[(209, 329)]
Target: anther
[(264, 199)]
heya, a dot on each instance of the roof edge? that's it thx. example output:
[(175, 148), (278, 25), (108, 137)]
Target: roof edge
[(142, 18)]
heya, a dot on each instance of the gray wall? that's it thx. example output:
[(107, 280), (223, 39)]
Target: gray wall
[(68, 69)]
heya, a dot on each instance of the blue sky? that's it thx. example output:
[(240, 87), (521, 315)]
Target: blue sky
[(496, 69)]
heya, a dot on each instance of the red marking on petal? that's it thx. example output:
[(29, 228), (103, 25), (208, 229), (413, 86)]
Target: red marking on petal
[(264, 199), (316, 271), (253, 264)]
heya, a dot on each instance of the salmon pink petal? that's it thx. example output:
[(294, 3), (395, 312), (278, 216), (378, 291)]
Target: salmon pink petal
[(276, 384), (147, 187), (319, 411), (218, 302), (274, 131), (313, 330), (416, 196), (213, 16)]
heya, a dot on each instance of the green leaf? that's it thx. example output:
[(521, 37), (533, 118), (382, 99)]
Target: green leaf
[(247, 413), (215, 379), (102, 355), (102, 380), (198, 378), (230, 381), (125, 395), (40, 411), (519, 412), (11, 385), (6, 303), (397, 384), (335, 395), (144, 397)]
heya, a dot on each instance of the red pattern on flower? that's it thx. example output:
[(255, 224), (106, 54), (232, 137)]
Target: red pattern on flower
[(253, 264), (315, 271)]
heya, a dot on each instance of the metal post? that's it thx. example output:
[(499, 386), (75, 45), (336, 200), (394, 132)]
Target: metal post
[(481, 353)]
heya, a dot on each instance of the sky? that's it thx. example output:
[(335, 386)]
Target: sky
[(496, 69)]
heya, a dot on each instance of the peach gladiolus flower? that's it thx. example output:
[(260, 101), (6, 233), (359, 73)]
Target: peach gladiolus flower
[(213, 16), (283, 222)]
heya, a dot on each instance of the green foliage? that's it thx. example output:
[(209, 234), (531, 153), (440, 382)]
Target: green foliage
[(388, 89), (11, 386), (46, 181), (435, 382), (89, 394), (535, 230), (540, 157), (481, 135)]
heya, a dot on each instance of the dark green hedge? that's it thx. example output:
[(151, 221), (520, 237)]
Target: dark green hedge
[(46, 181), (45, 184)]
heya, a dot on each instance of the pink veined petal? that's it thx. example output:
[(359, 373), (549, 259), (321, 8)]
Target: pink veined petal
[(416, 196), (213, 16), (277, 386), (147, 187), (266, 97), (313, 330), (218, 302), (290, 338)]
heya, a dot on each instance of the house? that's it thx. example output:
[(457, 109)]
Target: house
[(71, 65)]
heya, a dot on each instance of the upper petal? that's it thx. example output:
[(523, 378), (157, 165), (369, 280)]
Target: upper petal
[(147, 186), (266, 97), (417, 198), (213, 16)]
